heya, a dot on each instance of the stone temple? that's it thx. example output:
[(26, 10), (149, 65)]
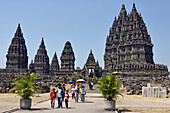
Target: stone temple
[(128, 50), (41, 61), (91, 67), (17, 60), (128, 46), (17, 53)]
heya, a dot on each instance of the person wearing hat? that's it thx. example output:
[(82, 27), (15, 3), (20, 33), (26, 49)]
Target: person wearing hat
[(52, 97)]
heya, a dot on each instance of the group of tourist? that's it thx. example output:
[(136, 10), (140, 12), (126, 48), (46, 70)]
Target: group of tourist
[(63, 95)]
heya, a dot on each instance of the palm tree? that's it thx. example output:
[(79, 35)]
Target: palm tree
[(81, 77), (25, 85), (73, 79), (109, 87)]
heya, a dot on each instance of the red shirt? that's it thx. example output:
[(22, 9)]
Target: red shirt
[(53, 95)]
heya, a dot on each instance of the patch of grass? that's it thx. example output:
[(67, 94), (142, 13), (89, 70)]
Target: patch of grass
[(15, 98), (43, 97), (7, 94)]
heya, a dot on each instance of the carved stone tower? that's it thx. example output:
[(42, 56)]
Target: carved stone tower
[(91, 68), (31, 67), (54, 65), (17, 53), (128, 46), (90, 63), (67, 58), (41, 60)]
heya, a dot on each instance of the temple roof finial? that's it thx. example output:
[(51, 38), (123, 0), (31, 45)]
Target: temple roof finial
[(123, 6), (55, 54), (90, 51), (134, 8), (115, 18), (123, 10), (18, 31), (42, 41), (97, 63), (134, 5)]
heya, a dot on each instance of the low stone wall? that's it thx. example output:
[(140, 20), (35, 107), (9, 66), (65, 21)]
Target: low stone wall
[(43, 81), (134, 85)]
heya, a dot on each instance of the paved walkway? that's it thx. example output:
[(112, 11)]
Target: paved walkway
[(94, 104)]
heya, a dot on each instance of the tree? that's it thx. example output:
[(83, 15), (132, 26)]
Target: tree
[(109, 87), (25, 85), (81, 77), (73, 79)]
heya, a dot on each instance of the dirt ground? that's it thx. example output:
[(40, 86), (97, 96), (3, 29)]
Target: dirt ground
[(137, 103)]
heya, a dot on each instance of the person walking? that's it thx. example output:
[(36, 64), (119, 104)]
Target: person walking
[(64, 89), (53, 96), (83, 93), (66, 99), (77, 91), (60, 94), (73, 91)]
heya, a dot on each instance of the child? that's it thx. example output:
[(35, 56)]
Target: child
[(53, 96), (66, 99)]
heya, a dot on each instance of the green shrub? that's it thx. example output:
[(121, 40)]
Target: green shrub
[(25, 85), (109, 87), (73, 79)]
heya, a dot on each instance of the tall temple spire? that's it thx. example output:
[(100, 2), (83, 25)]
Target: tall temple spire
[(31, 67), (67, 58), (17, 53), (123, 12), (90, 63), (91, 51), (18, 31), (42, 42), (123, 7), (134, 8), (97, 63), (41, 60), (54, 64), (130, 30)]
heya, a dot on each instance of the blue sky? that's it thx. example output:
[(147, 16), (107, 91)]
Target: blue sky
[(85, 23)]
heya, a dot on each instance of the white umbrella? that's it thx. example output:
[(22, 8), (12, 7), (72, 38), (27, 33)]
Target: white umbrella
[(80, 80)]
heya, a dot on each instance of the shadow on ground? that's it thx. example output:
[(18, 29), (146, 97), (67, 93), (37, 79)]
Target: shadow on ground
[(37, 109), (65, 108), (88, 102), (31, 109), (10, 111), (124, 110)]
